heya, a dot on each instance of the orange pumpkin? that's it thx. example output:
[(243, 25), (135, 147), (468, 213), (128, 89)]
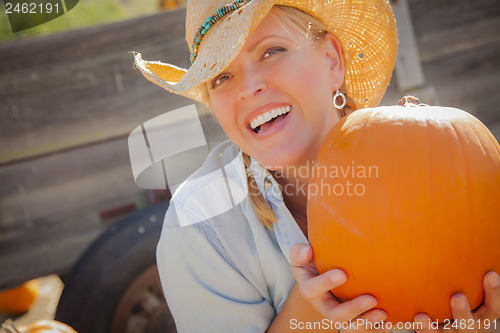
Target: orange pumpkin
[(18, 300), (406, 200)]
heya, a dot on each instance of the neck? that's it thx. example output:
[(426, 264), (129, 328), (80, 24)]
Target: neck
[(294, 183), (294, 191)]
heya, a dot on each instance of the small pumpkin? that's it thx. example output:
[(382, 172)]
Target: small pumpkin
[(406, 200), (18, 300)]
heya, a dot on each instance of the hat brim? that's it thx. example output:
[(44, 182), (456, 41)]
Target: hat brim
[(220, 46), (365, 29)]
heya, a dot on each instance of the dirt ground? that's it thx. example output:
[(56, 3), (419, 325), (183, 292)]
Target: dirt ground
[(45, 305)]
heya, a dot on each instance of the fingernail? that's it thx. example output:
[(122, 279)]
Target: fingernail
[(338, 277), (380, 315), (460, 302), (303, 252), (420, 318), (494, 280), (368, 303)]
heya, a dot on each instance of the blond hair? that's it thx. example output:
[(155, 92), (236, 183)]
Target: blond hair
[(261, 208)]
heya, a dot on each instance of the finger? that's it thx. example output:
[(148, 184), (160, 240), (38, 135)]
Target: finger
[(370, 321), (300, 254), (303, 267), (351, 309), (423, 323), (373, 317), (460, 307), (491, 296), (314, 287), (462, 313)]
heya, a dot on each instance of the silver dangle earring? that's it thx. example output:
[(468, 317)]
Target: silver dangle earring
[(343, 99)]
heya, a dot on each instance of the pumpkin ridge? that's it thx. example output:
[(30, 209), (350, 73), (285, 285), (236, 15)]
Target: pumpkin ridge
[(353, 279), (426, 290), (369, 125), (486, 132), (397, 199), (467, 167)]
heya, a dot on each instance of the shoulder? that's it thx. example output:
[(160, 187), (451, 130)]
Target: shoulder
[(218, 186)]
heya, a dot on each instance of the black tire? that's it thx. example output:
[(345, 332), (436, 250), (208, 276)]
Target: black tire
[(107, 271)]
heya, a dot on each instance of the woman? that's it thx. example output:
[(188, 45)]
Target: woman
[(278, 75)]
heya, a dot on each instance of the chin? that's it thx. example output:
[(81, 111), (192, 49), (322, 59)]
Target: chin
[(280, 153)]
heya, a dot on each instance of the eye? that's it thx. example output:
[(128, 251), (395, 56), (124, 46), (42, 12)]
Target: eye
[(218, 80), (272, 51)]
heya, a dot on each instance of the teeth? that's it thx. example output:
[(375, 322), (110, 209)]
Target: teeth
[(264, 118)]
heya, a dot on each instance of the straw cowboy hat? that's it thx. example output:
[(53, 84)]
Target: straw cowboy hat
[(216, 31)]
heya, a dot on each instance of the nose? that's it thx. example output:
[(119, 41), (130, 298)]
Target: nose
[(251, 84)]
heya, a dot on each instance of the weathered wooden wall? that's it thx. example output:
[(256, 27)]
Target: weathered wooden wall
[(459, 47), (69, 101), (67, 104)]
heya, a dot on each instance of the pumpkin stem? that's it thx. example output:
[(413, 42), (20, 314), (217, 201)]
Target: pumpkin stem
[(410, 101)]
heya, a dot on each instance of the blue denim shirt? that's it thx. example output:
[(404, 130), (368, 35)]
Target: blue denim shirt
[(220, 269)]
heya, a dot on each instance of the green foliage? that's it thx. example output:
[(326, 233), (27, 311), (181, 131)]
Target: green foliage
[(86, 13)]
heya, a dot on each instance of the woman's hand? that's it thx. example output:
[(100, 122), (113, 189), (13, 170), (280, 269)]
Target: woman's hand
[(316, 288), (480, 320)]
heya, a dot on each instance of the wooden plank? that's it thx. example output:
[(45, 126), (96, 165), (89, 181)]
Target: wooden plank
[(446, 27), (408, 69), (87, 90), (37, 192), (469, 81), (431, 15), (56, 169), (69, 102), (148, 31), (458, 43), (43, 251), (101, 191), (442, 44), (50, 207), (98, 176)]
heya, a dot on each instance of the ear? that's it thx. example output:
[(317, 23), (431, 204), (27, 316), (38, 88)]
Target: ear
[(333, 52)]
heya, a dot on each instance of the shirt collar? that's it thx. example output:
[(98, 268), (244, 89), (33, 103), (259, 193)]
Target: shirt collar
[(286, 229), (268, 186)]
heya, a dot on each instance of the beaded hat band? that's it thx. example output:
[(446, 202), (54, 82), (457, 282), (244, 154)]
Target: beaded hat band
[(216, 31), (209, 22)]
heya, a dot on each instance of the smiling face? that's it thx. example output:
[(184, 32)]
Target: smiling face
[(275, 99)]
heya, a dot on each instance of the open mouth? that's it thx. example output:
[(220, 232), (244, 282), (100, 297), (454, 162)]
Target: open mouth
[(265, 121)]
